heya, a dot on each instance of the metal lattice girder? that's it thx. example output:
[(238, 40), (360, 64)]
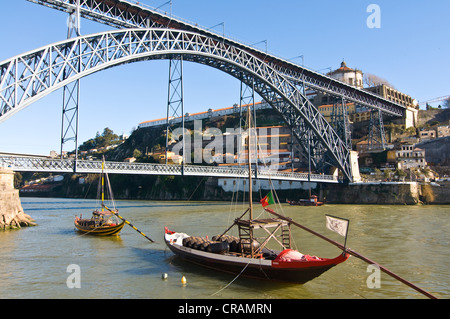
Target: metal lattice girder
[(119, 14), (39, 164), (71, 92), (25, 79), (340, 121), (377, 136), (175, 101), (124, 14)]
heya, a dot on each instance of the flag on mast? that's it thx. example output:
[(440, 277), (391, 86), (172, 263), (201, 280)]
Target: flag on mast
[(338, 225), (268, 200)]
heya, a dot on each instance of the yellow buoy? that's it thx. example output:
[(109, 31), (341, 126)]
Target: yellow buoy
[(183, 280)]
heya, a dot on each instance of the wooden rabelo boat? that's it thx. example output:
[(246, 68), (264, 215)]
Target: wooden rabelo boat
[(236, 256), (104, 221), (312, 201), (248, 254)]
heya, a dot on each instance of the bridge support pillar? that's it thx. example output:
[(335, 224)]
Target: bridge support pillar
[(377, 137), (175, 104), (354, 166), (340, 122), (71, 93)]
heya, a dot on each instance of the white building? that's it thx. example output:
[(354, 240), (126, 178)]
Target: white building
[(204, 115), (348, 75), (411, 157)]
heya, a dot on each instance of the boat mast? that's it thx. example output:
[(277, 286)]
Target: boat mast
[(250, 183), (103, 185)]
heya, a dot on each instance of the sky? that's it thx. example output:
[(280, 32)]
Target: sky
[(410, 49)]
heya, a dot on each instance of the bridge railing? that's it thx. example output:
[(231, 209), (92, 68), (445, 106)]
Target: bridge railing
[(48, 165)]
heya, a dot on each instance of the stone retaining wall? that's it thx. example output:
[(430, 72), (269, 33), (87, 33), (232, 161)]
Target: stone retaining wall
[(11, 211)]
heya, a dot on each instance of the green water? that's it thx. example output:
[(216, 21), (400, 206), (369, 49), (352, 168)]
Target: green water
[(411, 241)]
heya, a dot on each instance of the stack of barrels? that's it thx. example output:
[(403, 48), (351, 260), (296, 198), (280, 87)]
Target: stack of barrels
[(211, 246), (220, 244)]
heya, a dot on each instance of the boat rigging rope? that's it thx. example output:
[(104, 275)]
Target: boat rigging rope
[(232, 280), (199, 184)]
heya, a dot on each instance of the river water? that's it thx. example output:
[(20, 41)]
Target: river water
[(411, 241)]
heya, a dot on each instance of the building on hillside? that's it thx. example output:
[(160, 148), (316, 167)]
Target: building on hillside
[(327, 110), (130, 160), (275, 147), (355, 77), (427, 135), (235, 109), (410, 156), (344, 74), (363, 147), (391, 94), (443, 131), (440, 131)]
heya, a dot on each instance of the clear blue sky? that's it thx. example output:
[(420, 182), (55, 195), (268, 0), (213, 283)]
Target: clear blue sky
[(411, 50)]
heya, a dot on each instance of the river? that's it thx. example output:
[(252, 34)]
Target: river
[(411, 241)]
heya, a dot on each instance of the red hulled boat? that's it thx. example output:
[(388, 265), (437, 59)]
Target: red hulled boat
[(249, 254), (286, 266)]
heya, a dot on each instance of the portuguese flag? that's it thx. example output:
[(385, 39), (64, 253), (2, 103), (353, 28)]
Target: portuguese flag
[(268, 200)]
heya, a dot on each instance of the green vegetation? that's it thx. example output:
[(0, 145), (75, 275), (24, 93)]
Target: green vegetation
[(107, 138)]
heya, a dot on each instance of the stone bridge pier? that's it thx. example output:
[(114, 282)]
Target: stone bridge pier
[(11, 212)]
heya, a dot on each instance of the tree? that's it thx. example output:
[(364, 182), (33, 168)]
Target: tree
[(105, 139), (401, 174), (373, 80), (137, 153), (446, 103)]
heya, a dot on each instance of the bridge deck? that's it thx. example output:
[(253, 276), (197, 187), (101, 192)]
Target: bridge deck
[(47, 165)]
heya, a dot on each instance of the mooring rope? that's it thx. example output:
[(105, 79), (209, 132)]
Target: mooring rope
[(232, 280)]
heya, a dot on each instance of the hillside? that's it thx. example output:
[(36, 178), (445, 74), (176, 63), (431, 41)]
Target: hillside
[(437, 150), (145, 140), (433, 117)]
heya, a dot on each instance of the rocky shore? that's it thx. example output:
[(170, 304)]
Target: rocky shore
[(11, 211)]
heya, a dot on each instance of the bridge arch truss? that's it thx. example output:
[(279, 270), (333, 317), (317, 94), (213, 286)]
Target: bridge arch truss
[(26, 78)]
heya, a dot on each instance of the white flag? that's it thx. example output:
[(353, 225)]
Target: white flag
[(337, 225)]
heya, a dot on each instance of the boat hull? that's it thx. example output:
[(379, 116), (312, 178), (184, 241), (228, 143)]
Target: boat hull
[(274, 270), (100, 231)]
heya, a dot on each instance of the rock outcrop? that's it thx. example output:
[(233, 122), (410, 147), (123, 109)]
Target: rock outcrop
[(11, 211)]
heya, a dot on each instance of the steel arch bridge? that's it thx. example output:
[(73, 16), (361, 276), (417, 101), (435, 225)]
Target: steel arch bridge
[(26, 78)]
